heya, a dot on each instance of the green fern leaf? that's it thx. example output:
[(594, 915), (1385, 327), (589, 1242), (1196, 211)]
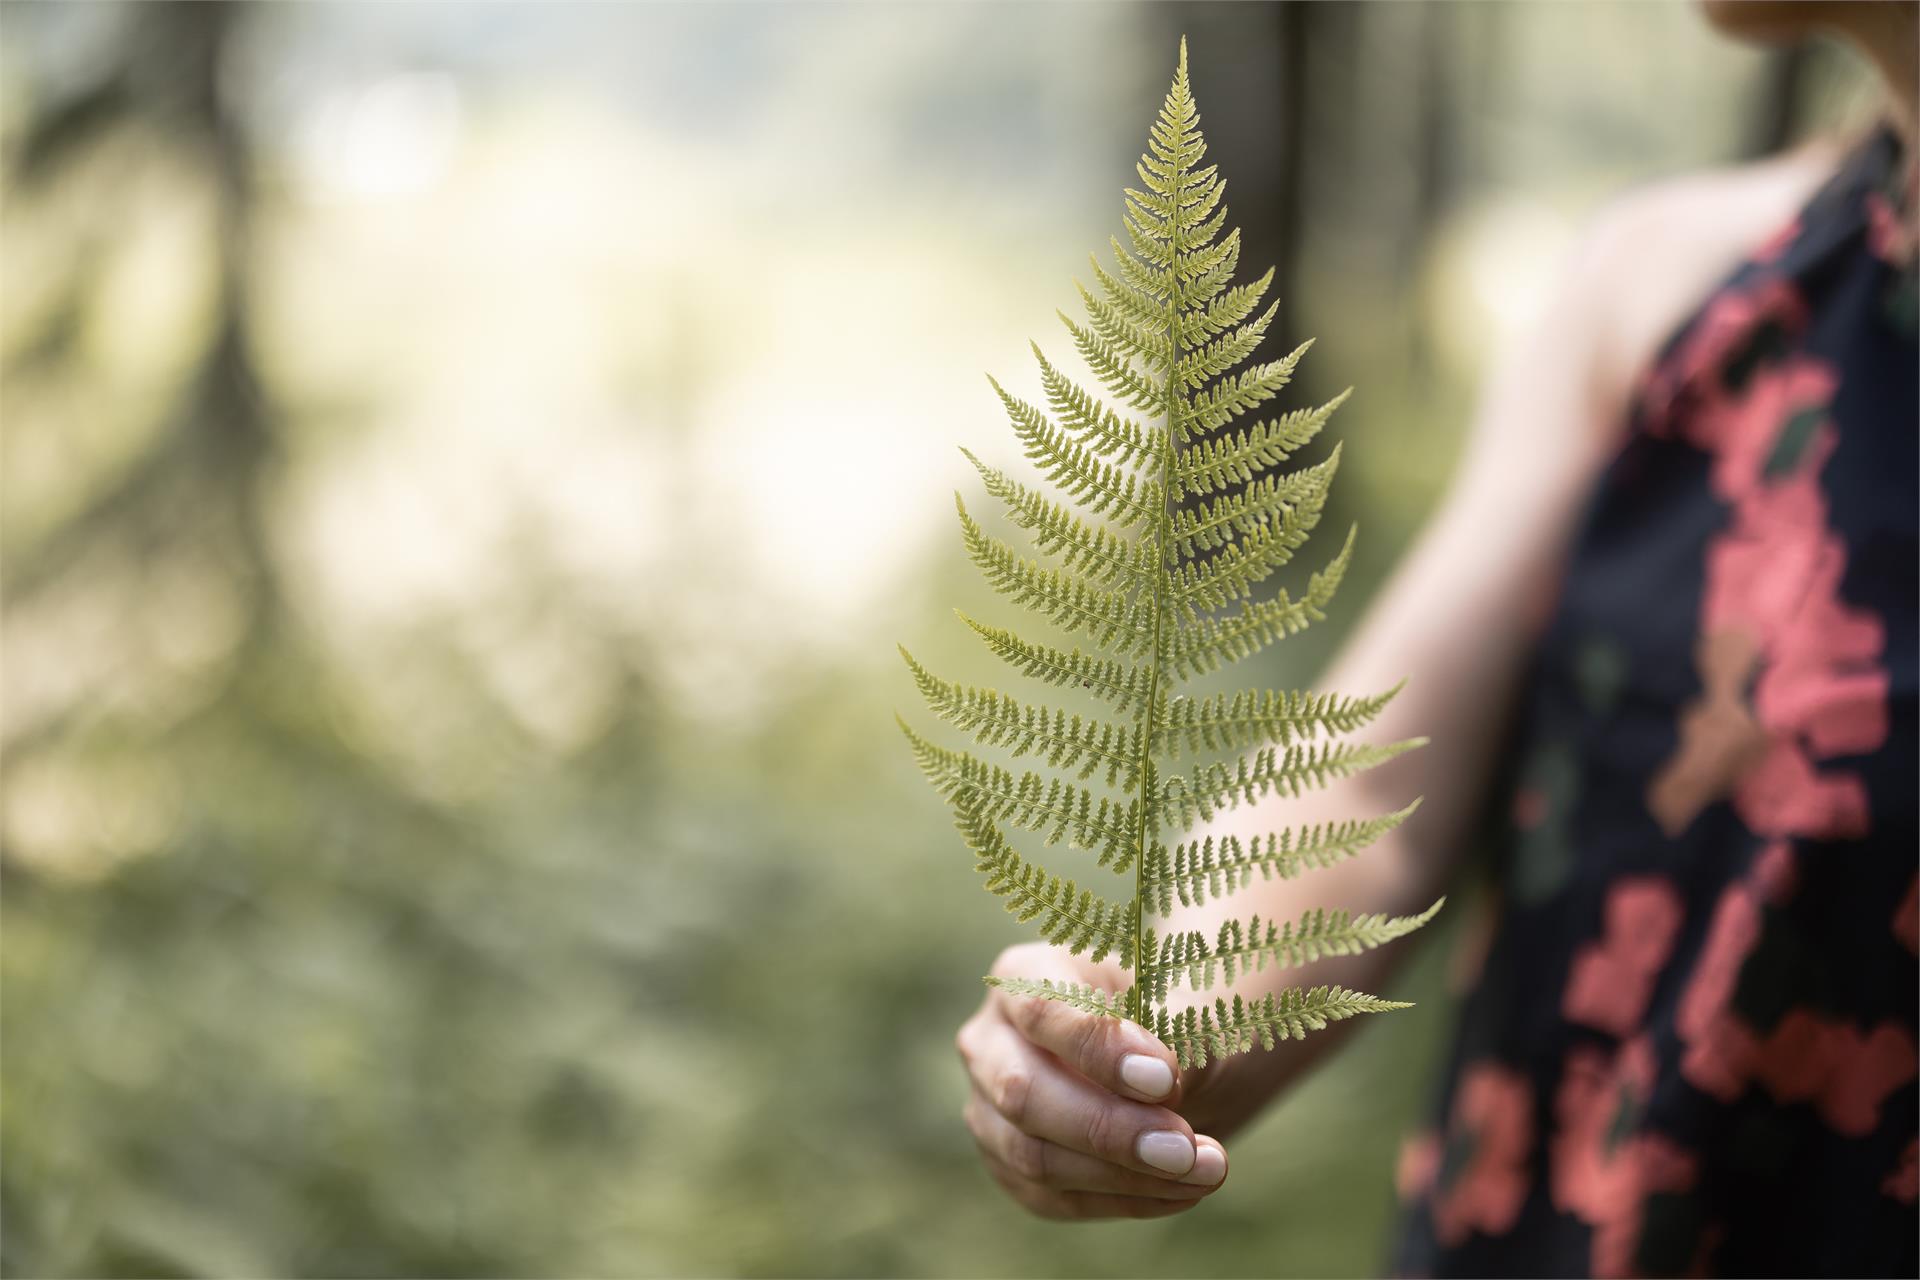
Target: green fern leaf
[(1226, 722), (1232, 307), (1086, 999), (1096, 427), (1161, 530), (1068, 915), (1214, 642), (1198, 869), (1239, 457), (1102, 487), (1214, 524), (1210, 788), (1228, 1028), (997, 719), (1122, 683), (1250, 947), (1111, 619), (1101, 555), (1031, 801)]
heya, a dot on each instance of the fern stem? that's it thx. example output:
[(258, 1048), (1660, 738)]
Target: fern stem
[(1138, 995)]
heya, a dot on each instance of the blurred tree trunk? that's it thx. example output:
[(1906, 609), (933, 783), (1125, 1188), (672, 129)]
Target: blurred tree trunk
[(199, 477)]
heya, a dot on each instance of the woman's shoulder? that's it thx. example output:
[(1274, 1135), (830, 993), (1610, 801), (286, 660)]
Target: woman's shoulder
[(1653, 255)]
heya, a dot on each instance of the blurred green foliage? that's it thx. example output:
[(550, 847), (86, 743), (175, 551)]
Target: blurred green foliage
[(359, 924)]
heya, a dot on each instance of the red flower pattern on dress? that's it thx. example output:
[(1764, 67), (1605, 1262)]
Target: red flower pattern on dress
[(1890, 237), (1604, 1163), (1906, 920), (1771, 604), (1611, 980), (1418, 1165), (1482, 1178), (1903, 1184), (1728, 321), (1846, 1073), (1777, 244)]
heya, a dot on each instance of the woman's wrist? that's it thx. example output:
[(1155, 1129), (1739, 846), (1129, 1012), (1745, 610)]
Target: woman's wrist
[(1222, 1096)]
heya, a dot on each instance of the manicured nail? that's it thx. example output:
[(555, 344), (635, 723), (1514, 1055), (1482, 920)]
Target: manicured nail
[(1146, 1075), (1209, 1166), (1165, 1150)]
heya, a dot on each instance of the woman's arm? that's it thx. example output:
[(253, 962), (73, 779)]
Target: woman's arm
[(1462, 611)]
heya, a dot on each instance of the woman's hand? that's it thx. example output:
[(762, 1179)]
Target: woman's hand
[(1071, 1110)]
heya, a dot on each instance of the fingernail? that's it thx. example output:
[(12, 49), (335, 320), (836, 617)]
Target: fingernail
[(1143, 1074), (1165, 1150), (1209, 1166)]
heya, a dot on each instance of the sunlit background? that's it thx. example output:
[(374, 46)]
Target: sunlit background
[(466, 468)]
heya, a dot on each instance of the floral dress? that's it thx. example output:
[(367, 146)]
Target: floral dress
[(1690, 1045)]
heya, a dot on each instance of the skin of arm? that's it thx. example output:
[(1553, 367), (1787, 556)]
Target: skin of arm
[(1078, 1116)]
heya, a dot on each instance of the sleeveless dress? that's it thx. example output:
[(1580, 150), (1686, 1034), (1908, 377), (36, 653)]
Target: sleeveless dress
[(1690, 1046)]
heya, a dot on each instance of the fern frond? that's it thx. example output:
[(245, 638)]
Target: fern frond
[(995, 719), (1213, 642), (1102, 487), (1225, 258), (1232, 307), (1197, 870), (1121, 440), (1031, 801), (1103, 556), (1148, 243), (1122, 683), (1196, 266), (1109, 364), (1222, 403), (1068, 915), (1242, 455), (1119, 329), (1153, 283), (1086, 999), (1233, 572), (1140, 307), (1225, 352), (1110, 619), (1213, 524), (1211, 788), (1167, 522), (1227, 722), (1248, 948), (1227, 1028)]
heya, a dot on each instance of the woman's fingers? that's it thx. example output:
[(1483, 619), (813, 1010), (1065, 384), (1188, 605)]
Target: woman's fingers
[(1040, 1098), (1061, 1104), (1050, 1165), (1114, 1053)]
